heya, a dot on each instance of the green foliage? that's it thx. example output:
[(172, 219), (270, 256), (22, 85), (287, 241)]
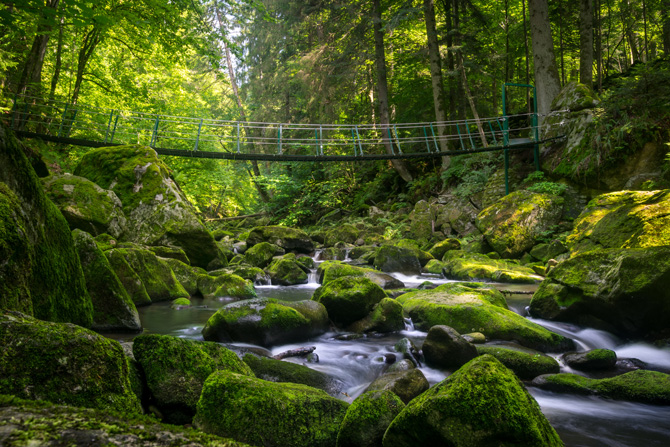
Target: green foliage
[(536, 183), (469, 174)]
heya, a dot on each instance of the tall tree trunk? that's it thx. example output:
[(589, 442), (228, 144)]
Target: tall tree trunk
[(547, 81), (436, 77), (59, 62), (599, 45), (665, 14), (471, 101), (450, 57), (91, 40), (627, 21), (527, 53), (586, 42), (382, 89), (644, 20), (506, 41)]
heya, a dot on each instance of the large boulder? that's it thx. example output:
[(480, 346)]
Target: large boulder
[(286, 271), (64, 364), (513, 224), (113, 308), (624, 219), (445, 348), (396, 259), (225, 284), (346, 233), (263, 321), (175, 370), (483, 403), (349, 298), (386, 316), (260, 255), (268, 413), (475, 307), (526, 364), (466, 266), (595, 359), (367, 419), (186, 275), (40, 273), (331, 270), (439, 249), (85, 205), (129, 278), (158, 212), (406, 384), (622, 290), (290, 239)]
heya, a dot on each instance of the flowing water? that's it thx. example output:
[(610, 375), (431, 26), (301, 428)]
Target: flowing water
[(579, 420)]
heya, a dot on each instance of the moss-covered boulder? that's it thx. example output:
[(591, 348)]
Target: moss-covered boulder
[(346, 233), (175, 370), (546, 251), (434, 266), (260, 321), (367, 419), (157, 210), (439, 249), (63, 363), (274, 370), (623, 219), (390, 258), (331, 270), (621, 290), (254, 274), (156, 276), (445, 348), (405, 384), (386, 316), (40, 273), (290, 239), (648, 387), (474, 307), (594, 359), (524, 363), (468, 266), (113, 309), (129, 278), (170, 253), (85, 427), (513, 224), (225, 285), (483, 403), (286, 271), (332, 254), (186, 275), (260, 255), (268, 413), (85, 205), (427, 218), (349, 298)]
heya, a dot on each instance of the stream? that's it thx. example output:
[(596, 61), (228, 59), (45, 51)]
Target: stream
[(579, 420)]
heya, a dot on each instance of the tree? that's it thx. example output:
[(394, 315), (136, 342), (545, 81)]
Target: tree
[(586, 43), (547, 81)]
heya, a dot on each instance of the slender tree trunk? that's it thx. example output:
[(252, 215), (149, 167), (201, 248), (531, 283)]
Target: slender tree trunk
[(665, 14), (471, 101), (626, 17), (644, 20), (586, 42), (561, 53), (59, 62), (382, 89), (450, 57), (91, 40), (437, 81), (506, 40), (599, 45), (527, 52), (547, 81)]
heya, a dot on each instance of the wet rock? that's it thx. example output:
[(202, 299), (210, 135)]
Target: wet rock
[(349, 299), (342, 233), (225, 285), (545, 252), (438, 250), (367, 419), (409, 350), (462, 265), (591, 360), (396, 259), (186, 275), (386, 316), (290, 239), (405, 384), (286, 271), (261, 254), (170, 253), (434, 266), (526, 364), (445, 348)]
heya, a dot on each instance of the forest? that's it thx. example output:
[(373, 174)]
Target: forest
[(335, 223)]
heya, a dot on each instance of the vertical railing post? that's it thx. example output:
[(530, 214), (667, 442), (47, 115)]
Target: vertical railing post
[(238, 137), (316, 141), (321, 140), (397, 140), (353, 138), (154, 135), (280, 142), (109, 124), (116, 122), (388, 129), (358, 137), (197, 139), (536, 127), (432, 131), (60, 128), (425, 134)]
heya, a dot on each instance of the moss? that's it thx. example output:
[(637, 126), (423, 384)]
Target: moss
[(291, 414), (261, 254), (349, 299), (346, 233), (171, 253), (129, 278), (43, 423), (482, 403), (289, 239), (386, 316), (405, 384), (591, 360), (395, 259), (439, 249), (472, 307), (466, 266), (225, 284), (434, 266), (180, 302), (176, 368), (63, 363), (279, 371), (186, 275), (367, 419), (638, 386), (286, 271), (525, 365)]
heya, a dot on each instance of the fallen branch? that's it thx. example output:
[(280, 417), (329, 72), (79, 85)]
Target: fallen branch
[(516, 292), (294, 353), (221, 219)]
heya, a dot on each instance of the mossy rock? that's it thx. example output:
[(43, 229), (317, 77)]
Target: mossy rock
[(405, 384), (466, 266), (254, 274), (621, 290), (575, 97), (113, 309), (445, 348), (346, 233), (64, 364), (290, 239), (545, 252), (623, 219), (649, 387), (592, 360), (85, 205), (513, 225), (82, 427), (525, 364), (225, 284), (180, 303), (423, 256), (483, 403), (260, 321), (434, 266), (395, 259), (349, 298), (331, 270), (332, 254), (386, 316), (129, 278), (260, 255), (176, 368), (171, 253), (158, 212), (274, 370), (316, 314), (367, 419), (267, 413), (186, 275), (475, 307), (286, 271), (40, 273), (439, 249)]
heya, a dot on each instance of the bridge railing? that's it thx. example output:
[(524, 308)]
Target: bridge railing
[(59, 119)]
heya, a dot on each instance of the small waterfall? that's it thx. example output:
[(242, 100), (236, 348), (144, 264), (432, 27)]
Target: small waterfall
[(317, 255), (235, 250), (346, 254), (312, 277), (409, 324)]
